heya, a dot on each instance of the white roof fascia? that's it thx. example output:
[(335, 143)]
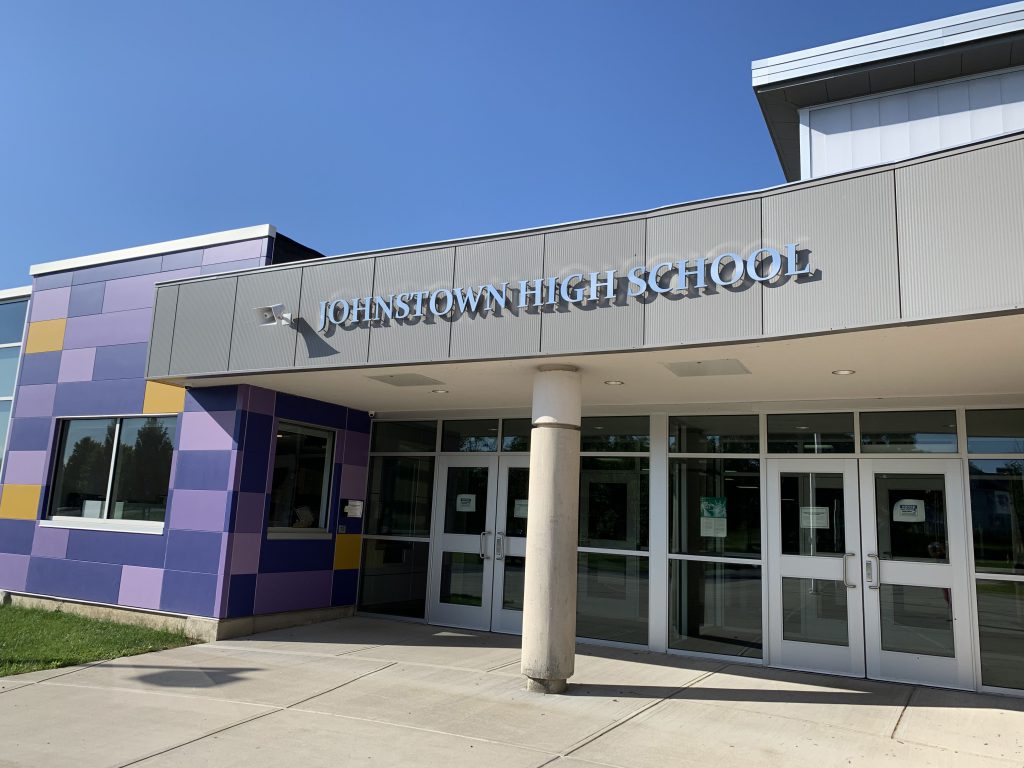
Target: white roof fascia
[(15, 293), (169, 246), (952, 30)]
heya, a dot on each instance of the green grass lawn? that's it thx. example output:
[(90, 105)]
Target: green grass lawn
[(31, 639)]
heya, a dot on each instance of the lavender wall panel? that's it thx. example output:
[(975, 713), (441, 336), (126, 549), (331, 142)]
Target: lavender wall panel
[(86, 300), (50, 542), (197, 551), (35, 400), (40, 368), (16, 536), (293, 591), (117, 270), (203, 470), (131, 327), (96, 582), (116, 547), (230, 266), (95, 398), (76, 364), (120, 361), (139, 292), (187, 592), (247, 249), (199, 510), (25, 467), (141, 587), (14, 572), (48, 282), (51, 304), (210, 430), (181, 260)]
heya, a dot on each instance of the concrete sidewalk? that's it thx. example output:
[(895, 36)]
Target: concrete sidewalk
[(382, 693)]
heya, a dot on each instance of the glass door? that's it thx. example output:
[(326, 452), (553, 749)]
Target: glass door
[(510, 544), (814, 592), (461, 573), (914, 566)]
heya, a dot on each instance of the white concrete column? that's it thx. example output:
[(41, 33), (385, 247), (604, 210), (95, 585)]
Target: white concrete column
[(549, 599)]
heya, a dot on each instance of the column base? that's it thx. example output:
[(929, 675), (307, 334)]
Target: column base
[(538, 685)]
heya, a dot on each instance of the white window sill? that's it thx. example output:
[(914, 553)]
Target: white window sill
[(98, 524), (298, 533)]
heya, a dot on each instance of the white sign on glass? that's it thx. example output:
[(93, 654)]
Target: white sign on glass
[(519, 508), (465, 502), (814, 517), (908, 511)]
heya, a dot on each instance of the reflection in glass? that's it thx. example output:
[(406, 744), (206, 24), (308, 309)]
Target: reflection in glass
[(512, 588), (516, 507), (997, 514), (83, 468), (812, 518), (393, 577), (611, 602), (399, 498), (715, 507), (300, 480), (462, 578), (142, 470), (615, 433), (465, 503), (916, 620), (5, 420), (715, 608), (910, 514), (1001, 628), (404, 436), (814, 611), (8, 369), (810, 433), (12, 321), (998, 431), (515, 434), (908, 432), (470, 435), (713, 434), (614, 502)]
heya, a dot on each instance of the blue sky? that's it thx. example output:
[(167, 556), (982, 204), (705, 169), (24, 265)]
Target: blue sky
[(353, 126)]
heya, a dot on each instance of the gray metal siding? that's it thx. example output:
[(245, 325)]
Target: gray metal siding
[(961, 229), (849, 228), (414, 339), (163, 329), (512, 331), (717, 313), (202, 326), (341, 345), (254, 346), (605, 324)]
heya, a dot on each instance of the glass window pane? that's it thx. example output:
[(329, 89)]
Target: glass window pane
[(462, 578), (715, 608), (916, 620), (8, 369), (615, 433), (1001, 628), (393, 578), (401, 490), (811, 433), (83, 468), (465, 503), (516, 501), (614, 502), (5, 423), (515, 434), (995, 431), (471, 435), (404, 436), (142, 470), (910, 515), (715, 507), (814, 611), (512, 587), (997, 514), (12, 321), (713, 434), (611, 598), (908, 432), (812, 517), (300, 483)]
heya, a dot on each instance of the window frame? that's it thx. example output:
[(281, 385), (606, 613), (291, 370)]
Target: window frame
[(323, 529)]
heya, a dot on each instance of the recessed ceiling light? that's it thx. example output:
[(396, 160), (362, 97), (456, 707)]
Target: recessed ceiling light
[(843, 372), (439, 391), (801, 426), (614, 383)]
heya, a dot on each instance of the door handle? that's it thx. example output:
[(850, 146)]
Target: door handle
[(846, 579), (872, 571), (499, 546), (483, 544)]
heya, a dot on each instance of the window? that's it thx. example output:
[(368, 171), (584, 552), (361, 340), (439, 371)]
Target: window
[(116, 469), (908, 432), (713, 434), (301, 480), (404, 437), (470, 435), (810, 433), (12, 327)]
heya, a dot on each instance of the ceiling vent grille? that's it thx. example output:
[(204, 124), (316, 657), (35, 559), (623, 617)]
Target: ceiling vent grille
[(406, 380), (727, 367)]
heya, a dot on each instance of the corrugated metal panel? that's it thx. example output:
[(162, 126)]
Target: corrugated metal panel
[(606, 324), (717, 313), (202, 326), (339, 345), (163, 331), (414, 339), (273, 346), (961, 226), (510, 331), (849, 229)]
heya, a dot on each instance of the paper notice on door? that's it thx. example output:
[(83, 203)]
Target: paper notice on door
[(713, 522), (908, 511), (465, 502), (519, 508), (814, 517), (354, 509)]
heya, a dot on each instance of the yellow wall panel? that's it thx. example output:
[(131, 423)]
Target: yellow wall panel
[(45, 336), (163, 398), (346, 551), (20, 502)]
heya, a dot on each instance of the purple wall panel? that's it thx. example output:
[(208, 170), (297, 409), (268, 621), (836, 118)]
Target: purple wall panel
[(242, 592), (35, 400), (98, 398), (131, 327), (258, 400), (245, 552), (50, 542), (76, 364), (203, 470), (230, 266), (250, 512), (188, 592), (25, 467), (247, 249), (293, 591), (29, 434), (86, 300), (181, 260), (13, 572), (139, 292), (345, 583), (207, 431), (198, 510), (48, 282), (353, 481), (96, 582), (51, 304), (358, 421), (121, 361), (40, 368), (197, 551), (117, 270), (211, 399), (117, 547), (16, 536), (141, 587), (357, 446)]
